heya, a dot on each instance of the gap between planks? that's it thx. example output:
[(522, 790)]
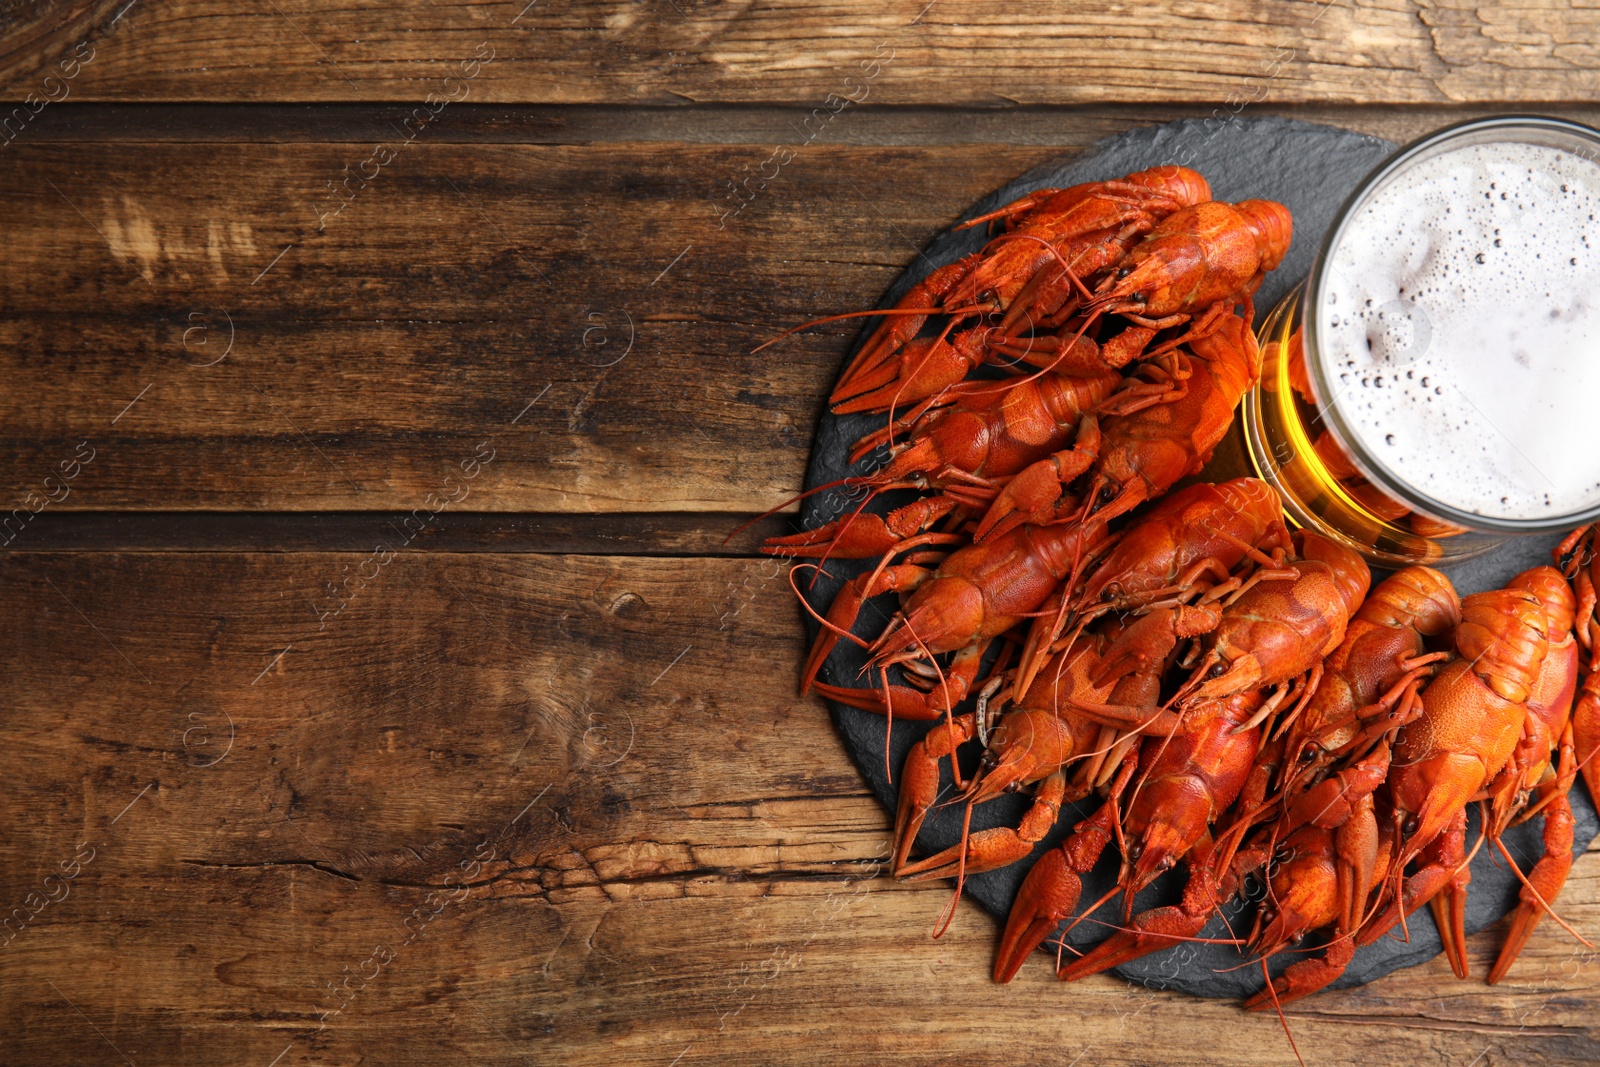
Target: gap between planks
[(662, 534)]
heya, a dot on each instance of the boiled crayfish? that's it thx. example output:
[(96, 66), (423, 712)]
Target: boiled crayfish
[(1226, 698)]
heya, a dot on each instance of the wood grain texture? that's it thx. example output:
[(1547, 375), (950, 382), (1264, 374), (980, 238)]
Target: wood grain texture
[(578, 309), (538, 809), (357, 759), (944, 52), (585, 312)]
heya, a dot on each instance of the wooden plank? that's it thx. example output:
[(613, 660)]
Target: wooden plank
[(674, 859), (913, 125), (575, 318), (908, 52), (584, 314)]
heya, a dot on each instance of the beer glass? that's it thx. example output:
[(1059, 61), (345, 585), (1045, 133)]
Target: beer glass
[(1303, 431)]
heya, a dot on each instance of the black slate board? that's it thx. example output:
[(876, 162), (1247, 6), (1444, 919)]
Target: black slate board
[(1310, 169)]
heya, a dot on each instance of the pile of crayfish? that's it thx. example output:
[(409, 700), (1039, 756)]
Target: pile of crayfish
[(1237, 700)]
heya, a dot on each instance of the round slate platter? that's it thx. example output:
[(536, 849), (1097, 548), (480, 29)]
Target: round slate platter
[(1311, 169)]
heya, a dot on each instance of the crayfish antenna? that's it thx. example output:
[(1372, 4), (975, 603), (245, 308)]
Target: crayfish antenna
[(1012, 383), (1278, 1009), (1537, 896), (905, 424), (961, 872), (1118, 928), (888, 726), (826, 624), (855, 315), (1196, 679), (813, 491), (1055, 253), (1083, 916)]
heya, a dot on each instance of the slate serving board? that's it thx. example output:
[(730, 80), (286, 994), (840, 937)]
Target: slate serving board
[(1311, 169)]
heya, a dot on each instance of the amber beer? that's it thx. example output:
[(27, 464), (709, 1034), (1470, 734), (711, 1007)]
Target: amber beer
[(1429, 390)]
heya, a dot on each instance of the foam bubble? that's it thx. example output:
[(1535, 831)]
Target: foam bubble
[(1461, 329)]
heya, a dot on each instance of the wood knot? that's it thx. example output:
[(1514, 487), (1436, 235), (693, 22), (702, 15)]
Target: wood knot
[(629, 606)]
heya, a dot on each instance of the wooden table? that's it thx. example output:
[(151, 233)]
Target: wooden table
[(377, 398)]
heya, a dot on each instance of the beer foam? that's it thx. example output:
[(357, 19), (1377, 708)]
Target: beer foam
[(1460, 329)]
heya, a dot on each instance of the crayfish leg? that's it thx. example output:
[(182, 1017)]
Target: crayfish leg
[(1159, 928), (1439, 862), (1305, 977), (919, 781), (925, 367), (1038, 495), (1549, 874), (1050, 892), (846, 609), (1546, 880), (998, 846), (1586, 730), (894, 331)]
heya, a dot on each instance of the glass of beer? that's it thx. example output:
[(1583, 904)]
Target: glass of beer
[(1432, 387)]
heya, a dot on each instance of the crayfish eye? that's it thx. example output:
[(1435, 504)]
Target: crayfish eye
[(1139, 298), (1297, 938), (989, 760), (1309, 753), (1123, 272), (1409, 827), (1107, 494), (1135, 849), (989, 296), (1217, 670), (1012, 787)]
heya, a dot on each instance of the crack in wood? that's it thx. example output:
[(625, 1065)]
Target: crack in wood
[(316, 865), (844, 870)]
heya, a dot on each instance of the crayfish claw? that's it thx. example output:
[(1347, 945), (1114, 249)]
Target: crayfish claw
[(1048, 895)]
